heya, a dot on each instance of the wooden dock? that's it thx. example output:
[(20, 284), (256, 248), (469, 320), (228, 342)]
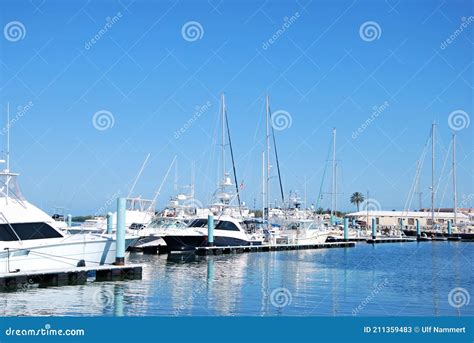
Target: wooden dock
[(203, 251), (66, 277)]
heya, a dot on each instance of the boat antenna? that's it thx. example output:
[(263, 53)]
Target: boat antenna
[(138, 176), (233, 162), (455, 195), (8, 140), (276, 158), (433, 128)]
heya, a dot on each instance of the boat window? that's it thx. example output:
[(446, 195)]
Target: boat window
[(225, 225), (198, 223), (27, 231)]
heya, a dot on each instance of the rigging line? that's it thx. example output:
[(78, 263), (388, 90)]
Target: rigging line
[(421, 161), (138, 176), (442, 169), (324, 175), (277, 162), (233, 162)]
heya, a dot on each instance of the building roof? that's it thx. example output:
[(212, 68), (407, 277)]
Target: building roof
[(401, 214)]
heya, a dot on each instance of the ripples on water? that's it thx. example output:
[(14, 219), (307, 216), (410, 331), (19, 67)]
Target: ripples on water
[(368, 280)]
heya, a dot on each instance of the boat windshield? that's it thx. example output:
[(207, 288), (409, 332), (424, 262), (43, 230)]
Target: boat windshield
[(9, 187), (201, 223)]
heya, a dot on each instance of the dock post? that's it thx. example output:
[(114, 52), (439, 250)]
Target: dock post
[(401, 226), (346, 228), (418, 231), (374, 228), (210, 230), (120, 232), (450, 231), (110, 227), (353, 222), (69, 220)]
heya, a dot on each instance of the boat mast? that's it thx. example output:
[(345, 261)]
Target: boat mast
[(267, 121), (455, 196), (8, 140), (223, 135), (333, 205), (433, 128), (263, 186)]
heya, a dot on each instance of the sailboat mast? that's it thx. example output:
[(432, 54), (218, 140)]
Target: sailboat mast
[(263, 186), (433, 128), (267, 121), (223, 136), (333, 205), (8, 139), (455, 195)]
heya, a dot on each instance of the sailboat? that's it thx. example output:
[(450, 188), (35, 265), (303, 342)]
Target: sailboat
[(232, 227), (30, 240)]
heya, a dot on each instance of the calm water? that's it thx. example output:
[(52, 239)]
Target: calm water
[(380, 280)]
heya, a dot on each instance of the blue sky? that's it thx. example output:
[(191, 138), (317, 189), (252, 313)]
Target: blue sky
[(321, 67)]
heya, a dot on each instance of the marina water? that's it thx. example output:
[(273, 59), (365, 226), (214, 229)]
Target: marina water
[(409, 279)]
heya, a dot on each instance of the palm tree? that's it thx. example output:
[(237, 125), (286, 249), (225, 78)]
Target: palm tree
[(357, 198)]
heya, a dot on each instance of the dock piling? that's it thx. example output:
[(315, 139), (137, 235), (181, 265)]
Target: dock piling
[(374, 228), (450, 231), (69, 220), (210, 230), (109, 223), (346, 229), (120, 243), (418, 230)]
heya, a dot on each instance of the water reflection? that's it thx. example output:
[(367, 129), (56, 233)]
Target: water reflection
[(410, 279)]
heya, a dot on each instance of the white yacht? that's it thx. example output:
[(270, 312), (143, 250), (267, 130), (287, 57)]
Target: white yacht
[(303, 231), (30, 240), (228, 231)]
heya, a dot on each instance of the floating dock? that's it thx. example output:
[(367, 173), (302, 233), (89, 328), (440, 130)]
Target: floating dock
[(65, 277), (390, 240), (203, 251)]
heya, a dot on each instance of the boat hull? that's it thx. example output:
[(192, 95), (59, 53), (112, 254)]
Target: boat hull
[(191, 242), (64, 253)]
